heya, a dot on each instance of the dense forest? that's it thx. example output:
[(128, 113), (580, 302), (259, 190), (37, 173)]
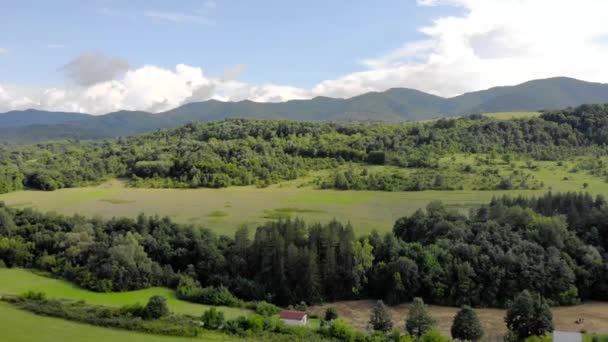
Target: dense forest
[(555, 245), (262, 152)]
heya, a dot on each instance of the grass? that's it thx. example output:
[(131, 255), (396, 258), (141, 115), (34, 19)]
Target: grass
[(22, 326), (512, 115), (16, 281), (224, 210), (116, 200), (589, 337)]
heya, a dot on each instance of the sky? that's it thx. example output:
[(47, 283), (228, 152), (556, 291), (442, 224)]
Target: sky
[(99, 56)]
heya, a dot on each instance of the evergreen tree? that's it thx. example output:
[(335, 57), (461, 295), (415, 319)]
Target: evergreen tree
[(380, 319), (418, 319), (529, 315), (330, 314), (466, 325)]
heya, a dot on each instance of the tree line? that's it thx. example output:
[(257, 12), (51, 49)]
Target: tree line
[(554, 245), (262, 152)]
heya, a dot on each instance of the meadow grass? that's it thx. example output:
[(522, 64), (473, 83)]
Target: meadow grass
[(512, 115), (15, 281), (21, 326), (224, 210)]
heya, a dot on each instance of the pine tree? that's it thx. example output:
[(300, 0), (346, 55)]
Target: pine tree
[(418, 319), (466, 325), (380, 319)]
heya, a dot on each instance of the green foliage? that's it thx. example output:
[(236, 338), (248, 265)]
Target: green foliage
[(466, 325), (213, 319), (433, 335), (264, 152), (419, 321), (380, 319), (266, 309), (156, 308), (330, 314), (529, 315), (104, 316)]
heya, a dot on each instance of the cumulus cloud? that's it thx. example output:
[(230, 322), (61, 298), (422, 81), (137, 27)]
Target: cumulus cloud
[(492, 42), (91, 68)]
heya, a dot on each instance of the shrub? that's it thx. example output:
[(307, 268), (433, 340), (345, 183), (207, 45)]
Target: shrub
[(266, 309), (156, 308), (213, 319), (330, 314)]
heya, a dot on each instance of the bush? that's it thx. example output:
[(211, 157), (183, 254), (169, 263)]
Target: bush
[(33, 295), (330, 314), (266, 309), (213, 319), (156, 308)]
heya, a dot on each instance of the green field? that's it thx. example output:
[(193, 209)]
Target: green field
[(512, 115), (22, 326), (223, 210), (16, 281)]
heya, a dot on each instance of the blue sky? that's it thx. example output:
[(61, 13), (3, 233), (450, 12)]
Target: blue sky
[(98, 56), (289, 42)]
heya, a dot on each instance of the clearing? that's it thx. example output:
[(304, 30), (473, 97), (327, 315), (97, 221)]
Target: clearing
[(224, 210), (594, 314)]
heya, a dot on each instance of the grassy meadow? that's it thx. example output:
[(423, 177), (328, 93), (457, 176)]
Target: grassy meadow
[(223, 210), (16, 281), (21, 326)]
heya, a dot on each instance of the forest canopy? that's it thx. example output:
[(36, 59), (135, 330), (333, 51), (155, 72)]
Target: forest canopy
[(263, 152), (555, 245)]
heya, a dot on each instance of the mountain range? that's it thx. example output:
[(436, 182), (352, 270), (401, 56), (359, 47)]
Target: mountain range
[(397, 104)]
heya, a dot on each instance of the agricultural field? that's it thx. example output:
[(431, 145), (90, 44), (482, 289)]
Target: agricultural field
[(21, 326), (16, 281), (594, 314), (512, 115), (224, 210)]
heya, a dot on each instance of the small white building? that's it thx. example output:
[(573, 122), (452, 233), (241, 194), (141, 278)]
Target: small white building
[(293, 317)]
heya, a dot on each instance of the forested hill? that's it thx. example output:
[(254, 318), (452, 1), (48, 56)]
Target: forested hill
[(262, 152), (390, 106)]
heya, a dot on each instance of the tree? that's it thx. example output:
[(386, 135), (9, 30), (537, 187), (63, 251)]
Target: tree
[(418, 320), (380, 319), (466, 325), (330, 314), (529, 315), (213, 319), (156, 307)]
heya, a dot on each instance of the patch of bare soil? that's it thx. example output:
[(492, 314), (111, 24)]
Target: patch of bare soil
[(594, 316)]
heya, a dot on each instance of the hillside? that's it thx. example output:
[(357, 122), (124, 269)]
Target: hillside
[(392, 105), (263, 152)]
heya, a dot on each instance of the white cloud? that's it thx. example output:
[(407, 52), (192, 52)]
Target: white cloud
[(196, 17), (55, 46), (493, 42), (3, 50)]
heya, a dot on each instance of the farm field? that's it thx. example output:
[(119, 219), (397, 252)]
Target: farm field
[(512, 115), (21, 326), (16, 281), (224, 210), (594, 314)]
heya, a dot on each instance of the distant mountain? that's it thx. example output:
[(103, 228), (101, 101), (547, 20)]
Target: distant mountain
[(397, 104), (20, 118)]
